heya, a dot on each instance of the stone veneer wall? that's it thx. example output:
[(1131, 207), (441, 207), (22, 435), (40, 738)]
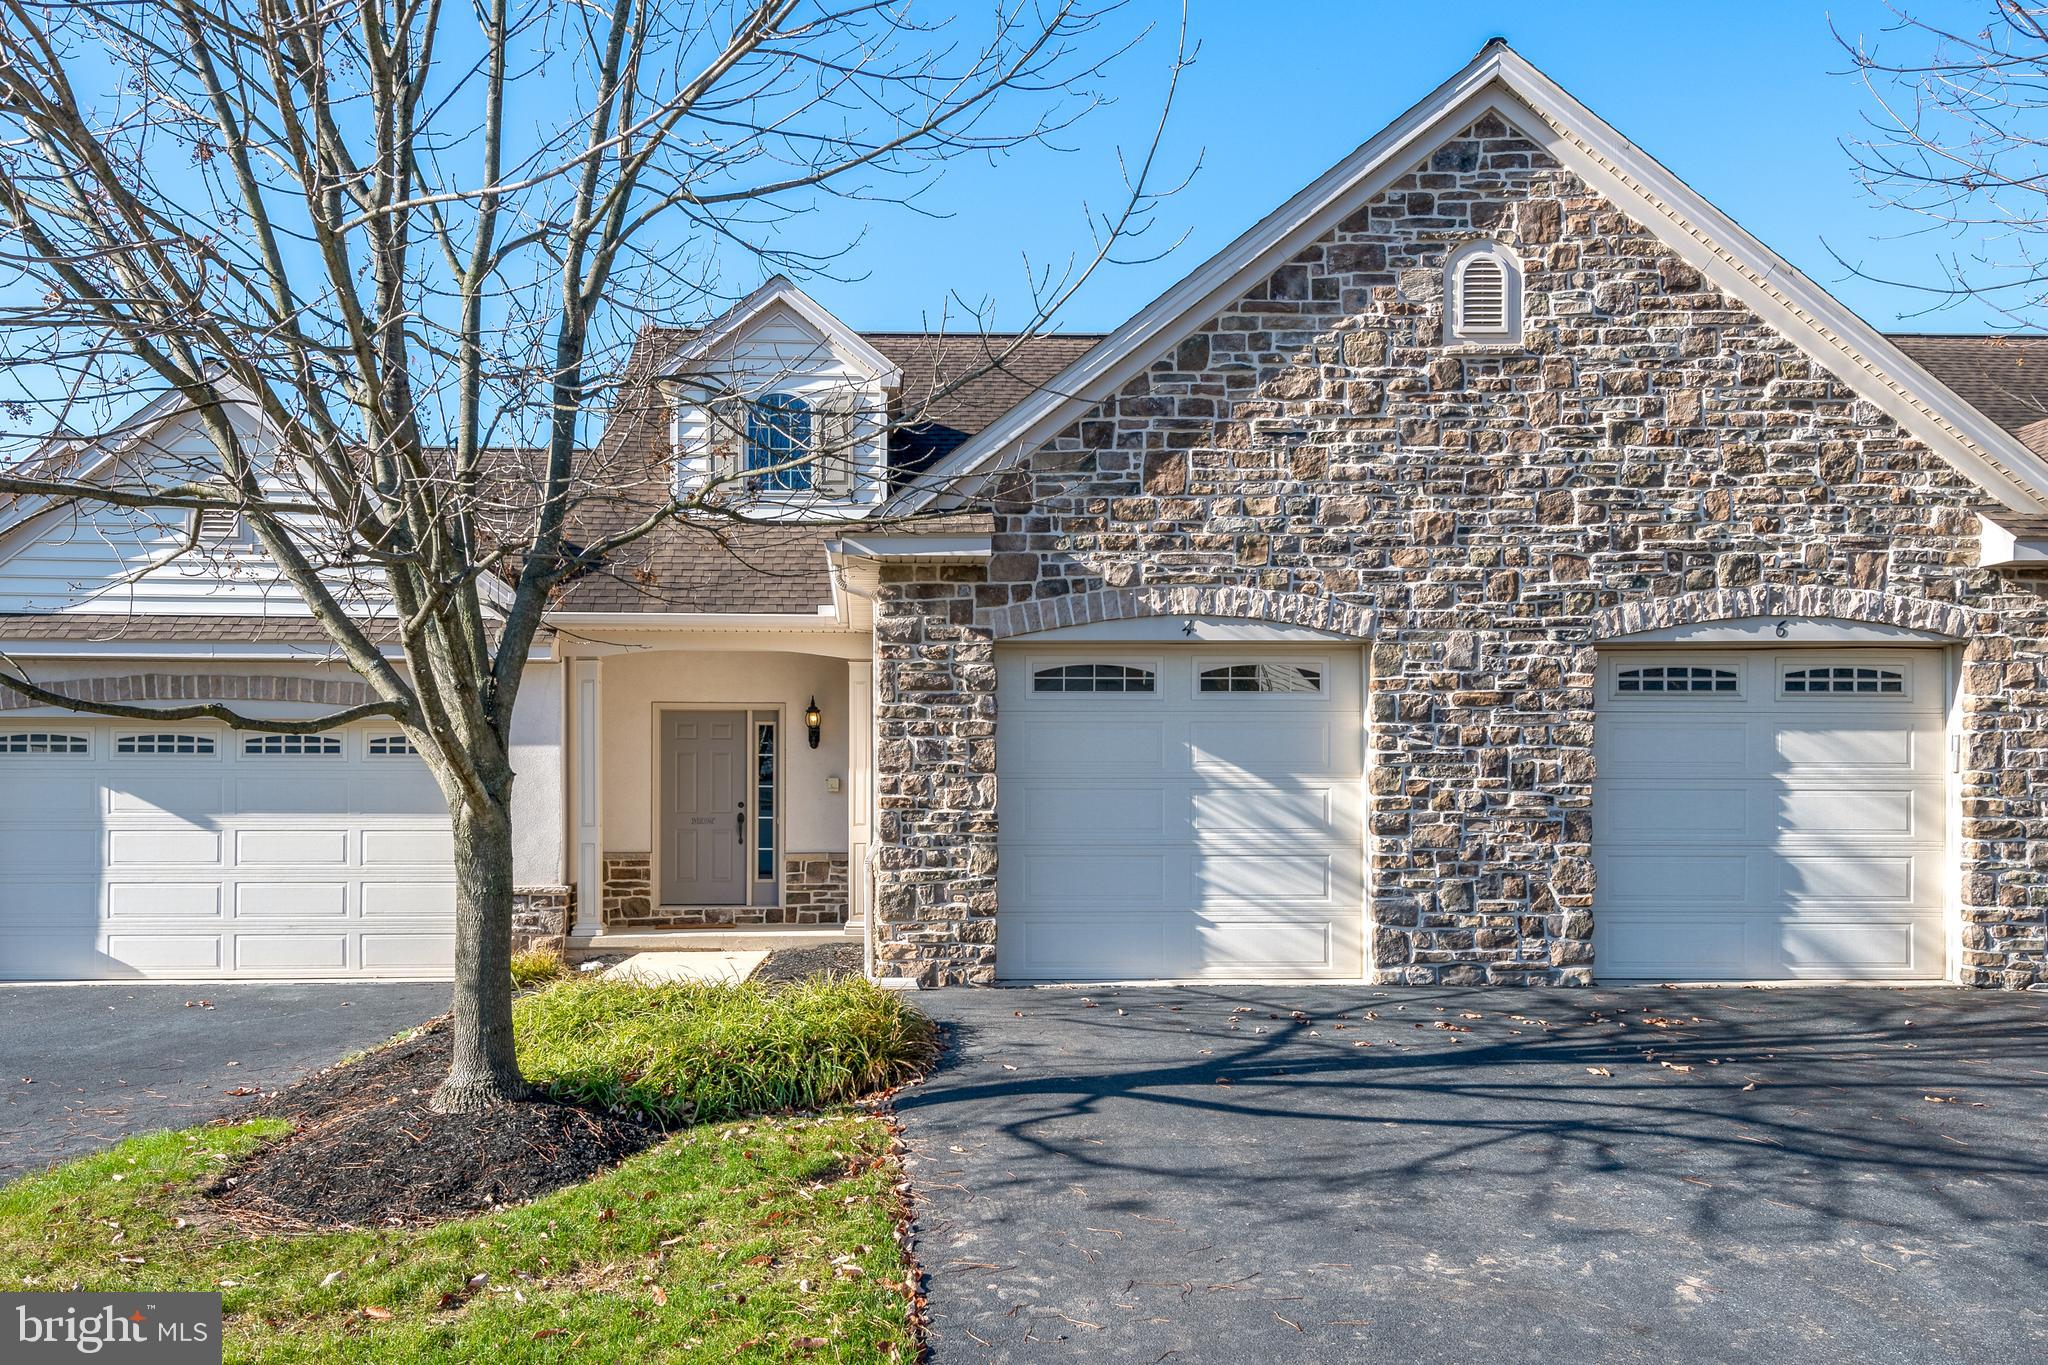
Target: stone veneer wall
[(540, 916), (629, 890), (814, 890), (1652, 453)]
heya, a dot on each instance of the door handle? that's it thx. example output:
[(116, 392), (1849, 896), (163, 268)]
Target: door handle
[(739, 824)]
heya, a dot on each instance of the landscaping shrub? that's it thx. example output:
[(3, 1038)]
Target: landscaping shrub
[(697, 1052), (533, 966)]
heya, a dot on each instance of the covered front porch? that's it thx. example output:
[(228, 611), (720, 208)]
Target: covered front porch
[(718, 781)]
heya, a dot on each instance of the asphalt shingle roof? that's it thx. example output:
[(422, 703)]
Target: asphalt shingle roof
[(953, 386), (2003, 377)]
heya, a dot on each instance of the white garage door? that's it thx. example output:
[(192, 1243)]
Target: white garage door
[(1765, 815), (182, 850), (1173, 812)]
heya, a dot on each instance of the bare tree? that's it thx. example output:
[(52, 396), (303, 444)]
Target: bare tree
[(1958, 137), (372, 243)]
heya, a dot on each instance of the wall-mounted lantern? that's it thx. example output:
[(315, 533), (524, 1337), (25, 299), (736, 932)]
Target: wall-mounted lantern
[(813, 718)]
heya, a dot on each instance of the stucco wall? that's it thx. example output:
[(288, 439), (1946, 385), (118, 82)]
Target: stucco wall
[(537, 750), (815, 821), (1650, 444)]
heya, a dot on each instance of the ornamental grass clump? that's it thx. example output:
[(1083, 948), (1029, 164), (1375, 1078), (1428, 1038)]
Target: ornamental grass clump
[(696, 1052)]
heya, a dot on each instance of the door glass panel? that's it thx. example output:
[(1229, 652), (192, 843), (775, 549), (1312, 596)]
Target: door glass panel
[(764, 803)]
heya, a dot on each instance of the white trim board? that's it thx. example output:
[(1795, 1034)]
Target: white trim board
[(1500, 81), (1764, 631), (1186, 630)]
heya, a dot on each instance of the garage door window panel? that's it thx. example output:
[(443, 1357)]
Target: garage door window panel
[(1690, 680), (45, 744), (1841, 680), (1095, 679), (291, 746), (165, 744), (1263, 678), (390, 746)]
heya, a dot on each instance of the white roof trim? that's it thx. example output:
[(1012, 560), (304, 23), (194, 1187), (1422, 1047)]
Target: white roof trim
[(1500, 80), (137, 427), (823, 620), (850, 344), (910, 546)]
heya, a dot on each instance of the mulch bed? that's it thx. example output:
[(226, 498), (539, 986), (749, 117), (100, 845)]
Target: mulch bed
[(794, 964), (368, 1151)]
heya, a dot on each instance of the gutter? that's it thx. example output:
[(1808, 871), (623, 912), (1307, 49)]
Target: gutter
[(823, 620)]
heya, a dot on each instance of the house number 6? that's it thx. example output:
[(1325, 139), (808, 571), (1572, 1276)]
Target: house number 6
[(1784, 629)]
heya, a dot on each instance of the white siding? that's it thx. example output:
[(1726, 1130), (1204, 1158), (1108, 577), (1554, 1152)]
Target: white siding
[(96, 558)]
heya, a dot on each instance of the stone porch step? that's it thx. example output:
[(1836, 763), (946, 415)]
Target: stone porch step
[(760, 939)]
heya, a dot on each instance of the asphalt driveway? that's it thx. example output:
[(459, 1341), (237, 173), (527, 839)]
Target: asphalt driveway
[(1277, 1175), (83, 1066)]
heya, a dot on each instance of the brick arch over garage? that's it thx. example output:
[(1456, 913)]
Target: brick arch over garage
[(1322, 613), (147, 687), (1840, 604)]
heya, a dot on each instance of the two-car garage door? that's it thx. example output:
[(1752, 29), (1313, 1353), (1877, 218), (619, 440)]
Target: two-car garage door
[(132, 851), (1170, 812), (1765, 814)]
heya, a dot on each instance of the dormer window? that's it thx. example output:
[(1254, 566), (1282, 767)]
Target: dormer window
[(1483, 295), (779, 443)]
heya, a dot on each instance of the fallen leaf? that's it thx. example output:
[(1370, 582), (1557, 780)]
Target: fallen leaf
[(660, 1296), (1598, 1071), (380, 1314)]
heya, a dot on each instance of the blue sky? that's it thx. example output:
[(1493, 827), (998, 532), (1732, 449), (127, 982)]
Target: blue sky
[(1746, 101)]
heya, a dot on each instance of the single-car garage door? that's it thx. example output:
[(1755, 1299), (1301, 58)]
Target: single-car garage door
[(1770, 815), (1174, 812), (187, 850)]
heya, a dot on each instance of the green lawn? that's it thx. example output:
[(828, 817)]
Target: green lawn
[(767, 1238)]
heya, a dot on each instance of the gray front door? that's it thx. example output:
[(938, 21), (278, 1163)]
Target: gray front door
[(704, 808)]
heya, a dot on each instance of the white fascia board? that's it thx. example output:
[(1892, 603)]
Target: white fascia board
[(822, 621), (1499, 80), (171, 649), (961, 549), (849, 343)]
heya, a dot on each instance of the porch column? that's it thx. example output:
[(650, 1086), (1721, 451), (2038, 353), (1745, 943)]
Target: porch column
[(586, 787), (860, 789)]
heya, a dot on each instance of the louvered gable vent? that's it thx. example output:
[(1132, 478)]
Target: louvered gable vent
[(217, 525), (1483, 297)]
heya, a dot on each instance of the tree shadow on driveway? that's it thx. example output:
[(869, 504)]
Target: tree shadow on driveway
[(1644, 1173)]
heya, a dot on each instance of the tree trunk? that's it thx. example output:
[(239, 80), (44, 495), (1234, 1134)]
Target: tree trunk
[(484, 1070)]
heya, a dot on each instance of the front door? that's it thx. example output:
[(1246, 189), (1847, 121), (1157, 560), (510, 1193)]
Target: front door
[(704, 808)]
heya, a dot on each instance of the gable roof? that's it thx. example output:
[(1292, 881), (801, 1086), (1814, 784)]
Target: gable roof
[(849, 344), (1500, 81)]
